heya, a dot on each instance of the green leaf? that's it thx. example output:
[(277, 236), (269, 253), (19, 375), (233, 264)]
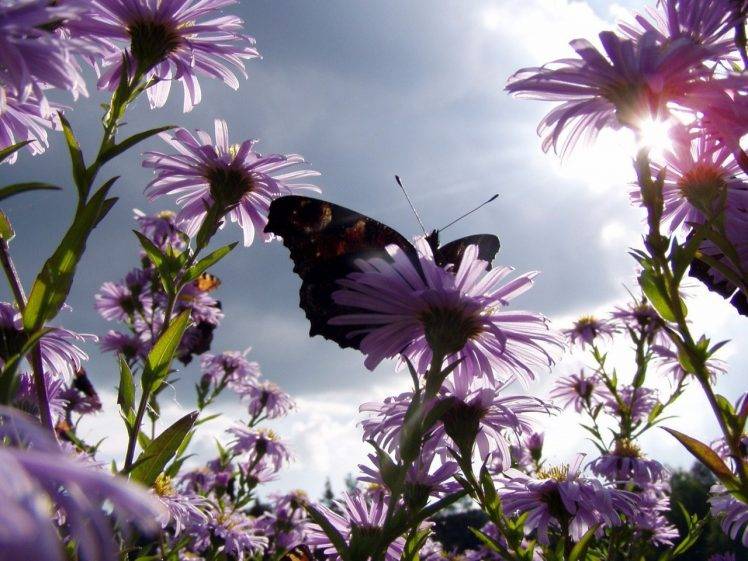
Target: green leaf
[(414, 543), (76, 158), (160, 260), (126, 390), (159, 359), (162, 449), (705, 455), (330, 531), (656, 294), (53, 283), (579, 551), (16, 188), (131, 141), (12, 149), (208, 261), (6, 228)]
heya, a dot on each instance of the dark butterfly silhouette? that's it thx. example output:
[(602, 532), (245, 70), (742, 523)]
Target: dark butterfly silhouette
[(725, 288), (325, 239)]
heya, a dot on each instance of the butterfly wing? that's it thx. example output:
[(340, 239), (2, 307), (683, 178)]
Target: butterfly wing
[(451, 253), (298, 553), (324, 240), (207, 282), (725, 288)]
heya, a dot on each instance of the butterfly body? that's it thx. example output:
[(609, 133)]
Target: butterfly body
[(326, 240)]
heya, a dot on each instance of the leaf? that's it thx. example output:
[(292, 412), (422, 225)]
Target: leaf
[(656, 294), (76, 158), (52, 284), (162, 449), (12, 149), (579, 551), (705, 455), (414, 544), (330, 531), (16, 188), (6, 228), (208, 261), (159, 359), (131, 141), (126, 390)]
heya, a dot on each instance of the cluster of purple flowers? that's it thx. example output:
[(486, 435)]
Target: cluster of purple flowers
[(673, 66), (139, 301), (43, 45)]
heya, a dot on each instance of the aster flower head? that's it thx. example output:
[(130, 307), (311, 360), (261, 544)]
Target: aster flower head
[(668, 362), (33, 56), (38, 476), (266, 398), (385, 420), (633, 84), (60, 355), (262, 443), (203, 307), (635, 402), (23, 120), (702, 181), (650, 516), (362, 517), (161, 229), (627, 463), (577, 390), (563, 493), (703, 22), (129, 346), (119, 302), (639, 316), (588, 329), (234, 179), (409, 311), (232, 368), (239, 535), (732, 513), (165, 41), (184, 510)]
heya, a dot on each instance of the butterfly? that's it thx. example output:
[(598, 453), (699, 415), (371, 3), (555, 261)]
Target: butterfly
[(325, 239), (207, 282), (298, 553)]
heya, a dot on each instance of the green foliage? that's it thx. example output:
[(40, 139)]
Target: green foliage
[(161, 450)]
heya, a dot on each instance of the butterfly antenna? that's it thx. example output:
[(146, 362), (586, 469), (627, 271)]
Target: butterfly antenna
[(415, 212), (496, 196)]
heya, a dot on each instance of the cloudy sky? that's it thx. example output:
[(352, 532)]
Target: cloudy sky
[(365, 90)]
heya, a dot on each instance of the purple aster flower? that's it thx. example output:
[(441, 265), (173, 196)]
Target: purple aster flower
[(667, 360), (732, 512), (161, 229), (425, 478), (203, 307), (704, 22), (702, 180), (130, 346), (60, 355), (285, 524), (587, 328), (167, 40), (118, 302), (267, 399), (231, 367), (482, 417), (577, 390), (183, 510), (635, 83), (640, 316), (237, 533), (650, 516), (725, 118), (262, 443), (458, 312), (37, 474), (627, 463), (636, 402), (365, 513), (21, 121), (563, 493), (33, 56), (240, 180), (385, 420), (257, 473), (26, 398)]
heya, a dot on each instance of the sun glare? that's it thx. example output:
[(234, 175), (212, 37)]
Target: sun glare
[(655, 135)]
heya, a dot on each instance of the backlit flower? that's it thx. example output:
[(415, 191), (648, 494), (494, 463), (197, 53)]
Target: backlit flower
[(732, 513), (267, 399), (22, 120), (636, 403), (241, 181), (587, 329), (577, 390), (167, 40), (635, 83), (456, 313), (262, 443), (627, 463)]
